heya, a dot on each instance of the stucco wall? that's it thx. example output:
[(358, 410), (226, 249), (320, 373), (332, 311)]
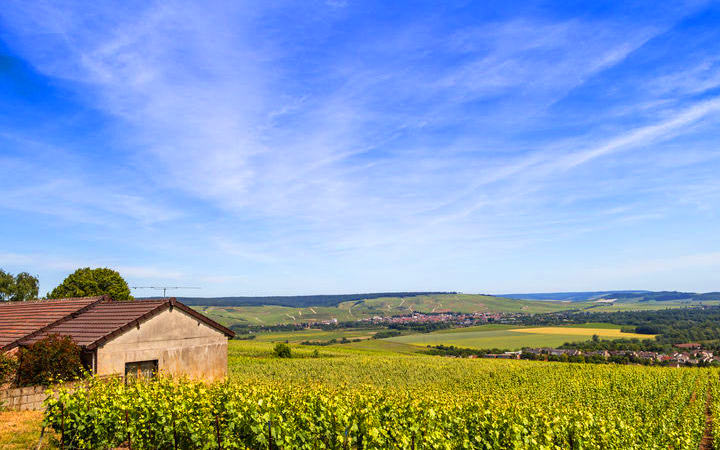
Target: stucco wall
[(181, 344)]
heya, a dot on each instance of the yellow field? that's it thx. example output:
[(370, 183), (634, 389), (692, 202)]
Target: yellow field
[(514, 338), (612, 333)]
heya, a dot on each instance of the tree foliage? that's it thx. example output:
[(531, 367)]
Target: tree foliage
[(282, 351), (54, 358), (18, 288), (87, 282), (8, 368)]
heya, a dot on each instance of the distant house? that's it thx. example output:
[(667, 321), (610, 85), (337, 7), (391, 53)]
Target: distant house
[(123, 338)]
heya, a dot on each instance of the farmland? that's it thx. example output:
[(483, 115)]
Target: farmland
[(510, 337), (514, 338), (347, 311), (384, 306), (352, 398)]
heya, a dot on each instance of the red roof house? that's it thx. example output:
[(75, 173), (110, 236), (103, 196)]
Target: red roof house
[(123, 337)]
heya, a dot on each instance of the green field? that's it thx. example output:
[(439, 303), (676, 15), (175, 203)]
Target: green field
[(650, 305), (386, 306), (511, 337), (392, 306), (315, 335)]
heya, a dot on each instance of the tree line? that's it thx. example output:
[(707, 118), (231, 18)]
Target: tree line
[(84, 282)]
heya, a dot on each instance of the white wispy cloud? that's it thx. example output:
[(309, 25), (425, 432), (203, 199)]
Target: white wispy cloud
[(409, 141)]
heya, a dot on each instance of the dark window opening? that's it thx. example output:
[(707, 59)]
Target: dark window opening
[(141, 369), (86, 358)]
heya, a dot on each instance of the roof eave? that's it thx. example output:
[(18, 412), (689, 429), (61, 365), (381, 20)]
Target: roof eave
[(18, 342)]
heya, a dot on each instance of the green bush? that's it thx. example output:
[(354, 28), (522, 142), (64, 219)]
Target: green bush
[(282, 351), (8, 368), (386, 334), (54, 358)]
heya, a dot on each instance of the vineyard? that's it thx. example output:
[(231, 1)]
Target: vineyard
[(353, 401)]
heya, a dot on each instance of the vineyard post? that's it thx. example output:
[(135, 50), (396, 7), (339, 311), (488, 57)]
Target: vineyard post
[(412, 441), (62, 427), (345, 441), (174, 430), (127, 430), (217, 432)]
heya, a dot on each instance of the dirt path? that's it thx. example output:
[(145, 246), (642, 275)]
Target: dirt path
[(707, 440)]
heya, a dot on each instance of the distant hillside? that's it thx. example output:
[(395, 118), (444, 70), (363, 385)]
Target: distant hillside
[(297, 301), (569, 296), (383, 305), (639, 296)]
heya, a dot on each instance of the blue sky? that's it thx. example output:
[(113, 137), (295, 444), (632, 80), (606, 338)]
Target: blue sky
[(278, 147)]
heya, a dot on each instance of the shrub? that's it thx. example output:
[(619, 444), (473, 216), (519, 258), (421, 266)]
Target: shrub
[(282, 351), (386, 334), (8, 368), (54, 358)]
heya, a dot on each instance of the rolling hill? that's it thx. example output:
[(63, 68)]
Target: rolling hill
[(639, 296), (388, 305), (296, 300)]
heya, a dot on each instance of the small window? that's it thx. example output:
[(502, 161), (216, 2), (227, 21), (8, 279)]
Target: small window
[(141, 369)]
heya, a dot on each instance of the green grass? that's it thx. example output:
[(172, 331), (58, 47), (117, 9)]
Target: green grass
[(315, 335), (649, 305), (272, 315), (464, 303), (393, 306), (507, 336), (483, 336), (387, 306)]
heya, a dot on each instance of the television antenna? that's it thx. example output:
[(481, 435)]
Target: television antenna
[(164, 288)]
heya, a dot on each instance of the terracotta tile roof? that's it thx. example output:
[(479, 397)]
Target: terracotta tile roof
[(100, 320), (20, 319)]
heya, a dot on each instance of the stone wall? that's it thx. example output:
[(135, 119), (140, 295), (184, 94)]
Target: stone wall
[(29, 398)]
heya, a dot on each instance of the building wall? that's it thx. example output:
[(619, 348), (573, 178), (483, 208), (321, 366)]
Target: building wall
[(182, 345)]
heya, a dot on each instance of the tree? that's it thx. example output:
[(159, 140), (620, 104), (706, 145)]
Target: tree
[(282, 351), (87, 282), (18, 288), (54, 358), (7, 285), (26, 287)]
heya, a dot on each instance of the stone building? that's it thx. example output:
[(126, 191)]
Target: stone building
[(126, 338)]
